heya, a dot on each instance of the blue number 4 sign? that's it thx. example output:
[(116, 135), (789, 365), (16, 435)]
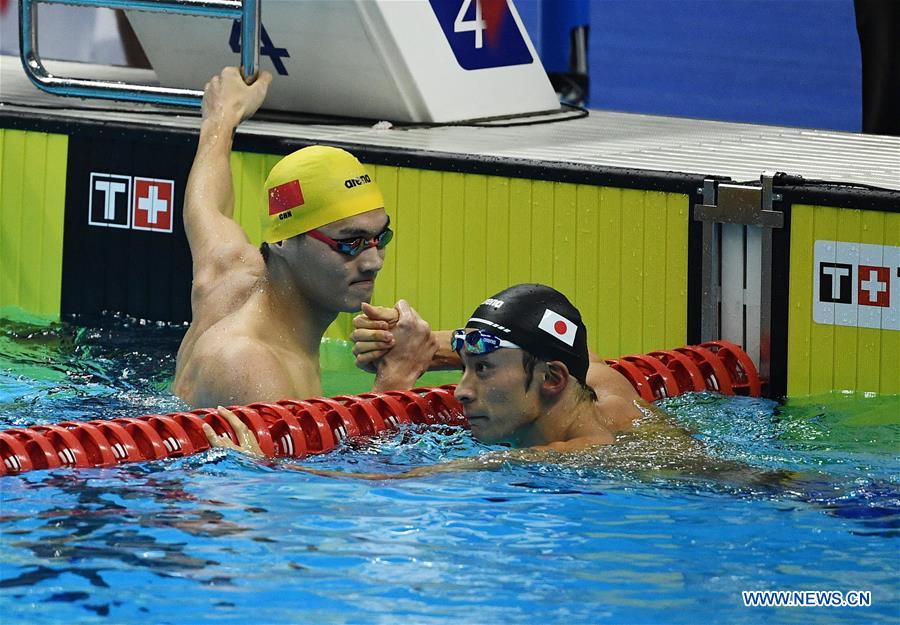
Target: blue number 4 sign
[(481, 33), (266, 47)]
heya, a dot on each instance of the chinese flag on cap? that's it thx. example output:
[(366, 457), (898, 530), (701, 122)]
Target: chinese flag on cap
[(558, 327), (285, 197)]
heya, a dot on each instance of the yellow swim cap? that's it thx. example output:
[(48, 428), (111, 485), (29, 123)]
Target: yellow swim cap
[(313, 187)]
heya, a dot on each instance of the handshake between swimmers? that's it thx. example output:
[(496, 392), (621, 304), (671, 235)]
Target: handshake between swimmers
[(527, 381)]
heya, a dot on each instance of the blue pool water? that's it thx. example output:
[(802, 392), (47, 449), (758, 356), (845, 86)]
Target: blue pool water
[(623, 535)]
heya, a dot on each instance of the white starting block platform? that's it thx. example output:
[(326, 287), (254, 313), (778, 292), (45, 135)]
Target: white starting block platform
[(408, 61), (601, 140)]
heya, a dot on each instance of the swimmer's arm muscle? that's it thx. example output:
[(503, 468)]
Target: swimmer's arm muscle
[(209, 197)]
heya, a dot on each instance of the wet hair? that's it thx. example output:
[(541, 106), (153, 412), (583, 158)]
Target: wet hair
[(530, 361)]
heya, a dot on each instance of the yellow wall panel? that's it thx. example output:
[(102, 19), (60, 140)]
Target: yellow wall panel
[(654, 271), (11, 203), (406, 249), (800, 303), (825, 357), (32, 209), (632, 272), (475, 242), (541, 232), (609, 275), (565, 227), (451, 276), (519, 230), (677, 217), (32, 218), (432, 239), (502, 249), (586, 291)]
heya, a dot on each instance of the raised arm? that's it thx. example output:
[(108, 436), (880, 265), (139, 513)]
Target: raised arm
[(214, 237)]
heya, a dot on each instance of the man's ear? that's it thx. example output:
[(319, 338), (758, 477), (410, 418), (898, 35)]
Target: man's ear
[(556, 378)]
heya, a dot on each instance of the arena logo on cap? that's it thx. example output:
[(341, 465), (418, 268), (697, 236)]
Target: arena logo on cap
[(558, 327), (359, 180), (284, 197)]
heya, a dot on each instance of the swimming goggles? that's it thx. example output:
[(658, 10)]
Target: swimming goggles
[(478, 342), (355, 246)]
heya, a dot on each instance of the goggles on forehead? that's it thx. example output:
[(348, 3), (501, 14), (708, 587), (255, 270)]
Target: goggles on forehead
[(478, 342), (352, 247)]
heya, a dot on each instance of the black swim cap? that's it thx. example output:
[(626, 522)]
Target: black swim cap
[(540, 320)]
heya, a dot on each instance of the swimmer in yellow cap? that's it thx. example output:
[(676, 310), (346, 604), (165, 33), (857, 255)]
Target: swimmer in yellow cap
[(259, 314)]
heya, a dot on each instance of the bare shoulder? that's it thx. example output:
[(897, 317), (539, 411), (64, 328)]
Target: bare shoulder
[(240, 370), (607, 381), (617, 412)]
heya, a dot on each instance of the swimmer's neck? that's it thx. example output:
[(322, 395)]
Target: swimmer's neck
[(302, 320), (562, 420)]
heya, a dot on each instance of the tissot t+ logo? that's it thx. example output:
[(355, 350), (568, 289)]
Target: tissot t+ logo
[(856, 284), (138, 203)]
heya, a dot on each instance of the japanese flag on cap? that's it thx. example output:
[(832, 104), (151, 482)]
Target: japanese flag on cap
[(558, 327)]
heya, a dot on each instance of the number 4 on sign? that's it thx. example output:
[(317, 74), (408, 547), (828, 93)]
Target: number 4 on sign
[(462, 25)]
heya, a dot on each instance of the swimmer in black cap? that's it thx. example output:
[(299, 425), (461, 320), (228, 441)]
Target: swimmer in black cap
[(528, 380)]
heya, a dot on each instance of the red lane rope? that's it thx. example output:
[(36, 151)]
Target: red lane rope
[(295, 428)]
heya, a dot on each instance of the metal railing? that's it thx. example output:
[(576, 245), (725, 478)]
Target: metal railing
[(248, 11)]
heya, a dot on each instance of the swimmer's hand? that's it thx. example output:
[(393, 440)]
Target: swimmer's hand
[(248, 443), (228, 100), (414, 347), (372, 337)]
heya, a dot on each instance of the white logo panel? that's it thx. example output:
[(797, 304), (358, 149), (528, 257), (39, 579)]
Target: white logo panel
[(856, 284)]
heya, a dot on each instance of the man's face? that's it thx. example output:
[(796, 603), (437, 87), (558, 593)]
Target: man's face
[(494, 398), (335, 281)]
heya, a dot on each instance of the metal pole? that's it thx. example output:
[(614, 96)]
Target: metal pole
[(248, 12)]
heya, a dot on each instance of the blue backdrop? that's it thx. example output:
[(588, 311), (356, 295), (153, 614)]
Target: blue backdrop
[(786, 62)]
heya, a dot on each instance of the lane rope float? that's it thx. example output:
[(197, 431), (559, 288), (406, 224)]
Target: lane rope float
[(297, 428)]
